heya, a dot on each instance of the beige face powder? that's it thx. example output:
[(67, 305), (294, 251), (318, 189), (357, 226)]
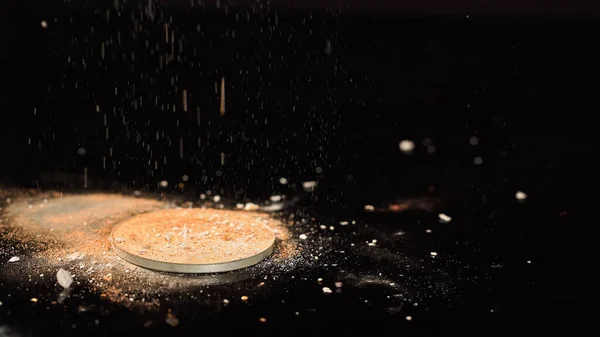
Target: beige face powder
[(194, 240)]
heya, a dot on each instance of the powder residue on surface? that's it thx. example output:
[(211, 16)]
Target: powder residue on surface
[(73, 232), (195, 236)]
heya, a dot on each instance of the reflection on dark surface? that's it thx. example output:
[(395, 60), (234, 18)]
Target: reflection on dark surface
[(125, 96)]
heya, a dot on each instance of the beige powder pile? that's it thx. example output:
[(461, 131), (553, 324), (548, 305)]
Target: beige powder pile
[(73, 232), (195, 236)]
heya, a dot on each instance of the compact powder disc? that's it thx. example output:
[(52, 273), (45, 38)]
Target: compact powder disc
[(194, 240)]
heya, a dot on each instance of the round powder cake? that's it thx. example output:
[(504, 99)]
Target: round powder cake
[(194, 240)]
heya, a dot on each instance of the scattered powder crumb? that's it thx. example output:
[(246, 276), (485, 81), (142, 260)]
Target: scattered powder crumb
[(244, 298), (320, 280), (369, 208), (327, 290), (64, 278), (303, 237), (251, 207), (262, 320), (444, 218), (434, 254), (520, 196), (171, 319), (428, 231), (225, 301), (408, 318), (344, 223), (34, 300), (406, 146), (14, 259), (338, 284)]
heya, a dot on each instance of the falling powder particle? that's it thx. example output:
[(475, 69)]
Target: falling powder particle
[(433, 254), (303, 237), (408, 318), (14, 259), (225, 301), (244, 298), (444, 218), (326, 290), (222, 107), (520, 196), (283, 181), (34, 300), (44, 24), (262, 320), (338, 284), (309, 186), (184, 99), (64, 278), (369, 208)]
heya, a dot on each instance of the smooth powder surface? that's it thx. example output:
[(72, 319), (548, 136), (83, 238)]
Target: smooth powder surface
[(195, 236)]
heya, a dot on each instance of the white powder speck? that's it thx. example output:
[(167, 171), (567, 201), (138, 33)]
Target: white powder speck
[(444, 218), (408, 318), (369, 208), (309, 186), (326, 290), (433, 254), (14, 259), (303, 237), (251, 207), (520, 195), (64, 278), (275, 198), (406, 146)]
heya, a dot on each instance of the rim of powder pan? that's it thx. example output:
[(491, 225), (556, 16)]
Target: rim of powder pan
[(191, 268)]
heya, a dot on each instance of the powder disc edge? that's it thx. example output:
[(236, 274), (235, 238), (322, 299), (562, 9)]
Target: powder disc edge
[(190, 268)]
